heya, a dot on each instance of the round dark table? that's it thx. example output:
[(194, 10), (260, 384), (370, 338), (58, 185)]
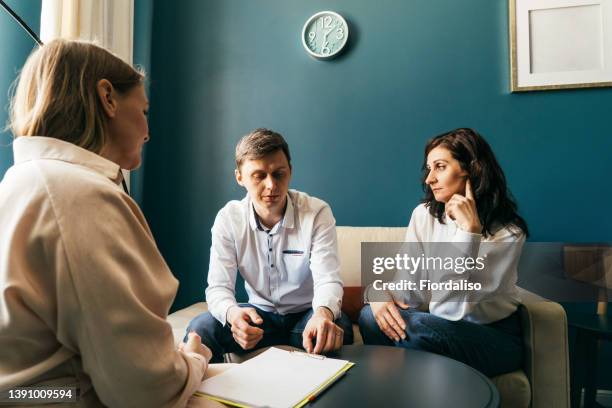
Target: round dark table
[(394, 377)]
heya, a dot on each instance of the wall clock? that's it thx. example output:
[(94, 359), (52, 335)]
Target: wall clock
[(325, 34)]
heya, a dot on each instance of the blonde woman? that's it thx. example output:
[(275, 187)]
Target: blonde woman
[(84, 291)]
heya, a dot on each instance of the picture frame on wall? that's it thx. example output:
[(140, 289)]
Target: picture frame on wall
[(560, 44)]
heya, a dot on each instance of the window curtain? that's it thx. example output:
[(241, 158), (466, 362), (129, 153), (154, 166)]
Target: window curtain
[(109, 23)]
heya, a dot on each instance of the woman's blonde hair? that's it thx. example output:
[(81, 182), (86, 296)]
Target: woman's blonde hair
[(56, 93)]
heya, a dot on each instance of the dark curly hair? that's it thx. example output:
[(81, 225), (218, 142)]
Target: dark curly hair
[(495, 204)]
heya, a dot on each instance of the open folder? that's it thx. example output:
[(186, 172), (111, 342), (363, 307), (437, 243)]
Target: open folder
[(276, 378)]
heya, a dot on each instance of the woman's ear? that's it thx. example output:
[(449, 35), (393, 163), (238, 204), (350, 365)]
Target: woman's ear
[(106, 94)]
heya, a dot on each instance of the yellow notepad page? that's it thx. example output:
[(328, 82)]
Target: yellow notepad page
[(276, 378)]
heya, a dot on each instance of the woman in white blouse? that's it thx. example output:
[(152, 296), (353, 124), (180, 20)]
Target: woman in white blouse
[(84, 291), (467, 206)]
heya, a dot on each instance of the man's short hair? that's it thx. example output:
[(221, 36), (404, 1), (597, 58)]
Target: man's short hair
[(259, 143)]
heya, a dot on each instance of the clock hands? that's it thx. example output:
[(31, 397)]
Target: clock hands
[(325, 49), (327, 33)]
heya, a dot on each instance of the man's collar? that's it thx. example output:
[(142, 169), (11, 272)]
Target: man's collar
[(27, 148), (287, 221)]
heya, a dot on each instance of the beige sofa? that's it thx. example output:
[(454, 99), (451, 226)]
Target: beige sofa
[(544, 379)]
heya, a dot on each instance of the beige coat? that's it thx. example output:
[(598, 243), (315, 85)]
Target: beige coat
[(84, 291)]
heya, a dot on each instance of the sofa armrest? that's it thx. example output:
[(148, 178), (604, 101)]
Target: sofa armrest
[(546, 353)]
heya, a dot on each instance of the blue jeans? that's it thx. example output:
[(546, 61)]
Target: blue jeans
[(278, 329), (492, 349)]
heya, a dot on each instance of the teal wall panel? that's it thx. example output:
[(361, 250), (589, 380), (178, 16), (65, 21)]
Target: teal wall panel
[(15, 46), (143, 29)]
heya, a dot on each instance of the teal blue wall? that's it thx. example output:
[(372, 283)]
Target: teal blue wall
[(357, 125), (143, 29), (15, 46)]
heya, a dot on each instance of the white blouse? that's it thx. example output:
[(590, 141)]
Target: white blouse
[(498, 296)]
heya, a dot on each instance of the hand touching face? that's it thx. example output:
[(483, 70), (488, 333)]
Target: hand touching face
[(462, 209), (450, 184)]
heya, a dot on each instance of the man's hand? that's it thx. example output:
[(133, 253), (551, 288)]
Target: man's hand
[(321, 326), (240, 318), (389, 319), (194, 345)]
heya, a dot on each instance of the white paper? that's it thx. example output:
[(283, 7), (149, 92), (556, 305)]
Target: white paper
[(276, 378)]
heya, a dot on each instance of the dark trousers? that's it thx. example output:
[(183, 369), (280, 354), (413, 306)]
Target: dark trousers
[(278, 329), (492, 349)]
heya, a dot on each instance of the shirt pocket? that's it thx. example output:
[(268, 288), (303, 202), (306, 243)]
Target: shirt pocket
[(297, 266)]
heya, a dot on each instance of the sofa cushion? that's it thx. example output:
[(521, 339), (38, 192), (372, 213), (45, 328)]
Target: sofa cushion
[(349, 248), (349, 252)]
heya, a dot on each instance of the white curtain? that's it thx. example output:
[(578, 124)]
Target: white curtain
[(110, 23)]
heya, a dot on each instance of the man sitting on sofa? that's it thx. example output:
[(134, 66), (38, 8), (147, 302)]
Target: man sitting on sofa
[(283, 243)]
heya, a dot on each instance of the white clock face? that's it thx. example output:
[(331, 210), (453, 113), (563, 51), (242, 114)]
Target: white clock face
[(325, 34)]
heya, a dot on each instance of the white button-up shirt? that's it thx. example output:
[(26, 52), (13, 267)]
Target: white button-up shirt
[(288, 269), (499, 296)]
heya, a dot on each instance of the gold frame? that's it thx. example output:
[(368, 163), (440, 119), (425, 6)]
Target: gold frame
[(514, 87)]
